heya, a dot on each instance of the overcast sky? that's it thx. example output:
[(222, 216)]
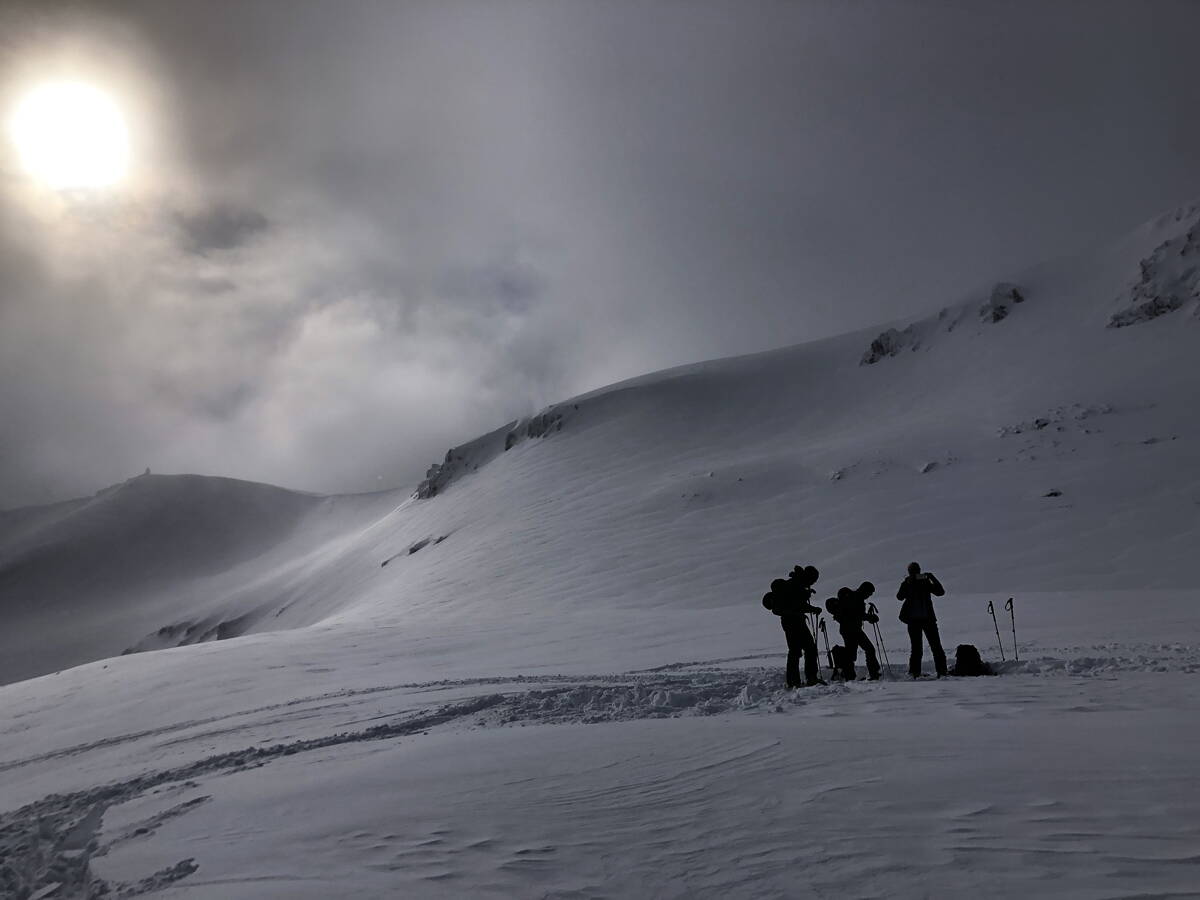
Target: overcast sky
[(357, 233)]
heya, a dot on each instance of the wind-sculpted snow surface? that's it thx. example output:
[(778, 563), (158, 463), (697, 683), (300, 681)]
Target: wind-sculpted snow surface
[(486, 785)]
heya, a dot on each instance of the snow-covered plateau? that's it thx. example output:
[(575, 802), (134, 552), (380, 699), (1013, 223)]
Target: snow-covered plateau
[(546, 672)]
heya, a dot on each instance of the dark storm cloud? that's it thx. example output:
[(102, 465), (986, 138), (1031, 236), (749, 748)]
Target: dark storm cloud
[(382, 228), (218, 228)]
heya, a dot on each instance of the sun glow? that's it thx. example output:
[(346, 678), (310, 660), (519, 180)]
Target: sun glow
[(70, 135)]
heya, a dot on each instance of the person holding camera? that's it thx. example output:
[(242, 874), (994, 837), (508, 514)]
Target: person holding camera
[(916, 612), (788, 599)]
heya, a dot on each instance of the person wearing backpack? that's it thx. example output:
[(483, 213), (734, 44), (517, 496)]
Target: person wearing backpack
[(849, 610), (788, 599), (916, 612)]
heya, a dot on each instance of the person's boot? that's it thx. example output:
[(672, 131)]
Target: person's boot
[(873, 676), (813, 682)]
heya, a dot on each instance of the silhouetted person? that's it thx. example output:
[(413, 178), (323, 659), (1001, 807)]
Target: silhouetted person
[(917, 591), (850, 611), (789, 600)]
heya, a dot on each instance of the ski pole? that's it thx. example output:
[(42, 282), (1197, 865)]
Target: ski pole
[(882, 649), (992, 610), (1012, 615), (873, 610), (828, 652)]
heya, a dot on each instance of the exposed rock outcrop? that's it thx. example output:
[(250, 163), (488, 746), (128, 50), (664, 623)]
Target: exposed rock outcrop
[(470, 457), (1169, 280), (1004, 297), (891, 343)]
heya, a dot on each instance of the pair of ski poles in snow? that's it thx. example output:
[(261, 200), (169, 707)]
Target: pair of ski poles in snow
[(818, 627), (874, 610), (1012, 615)]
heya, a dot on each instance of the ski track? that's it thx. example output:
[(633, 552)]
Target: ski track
[(52, 840), (1084, 661)]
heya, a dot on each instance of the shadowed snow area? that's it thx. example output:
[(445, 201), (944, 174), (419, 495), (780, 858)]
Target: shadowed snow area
[(546, 671)]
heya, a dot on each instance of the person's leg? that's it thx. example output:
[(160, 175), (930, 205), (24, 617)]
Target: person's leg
[(914, 656), (935, 647), (850, 636), (792, 672), (869, 653), (812, 666)]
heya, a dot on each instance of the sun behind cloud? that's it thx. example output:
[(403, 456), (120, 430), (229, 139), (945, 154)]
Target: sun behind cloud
[(70, 135)]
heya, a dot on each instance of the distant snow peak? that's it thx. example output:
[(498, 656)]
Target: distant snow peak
[(1170, 280)]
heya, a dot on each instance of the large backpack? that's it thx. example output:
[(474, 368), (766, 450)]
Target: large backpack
[(775, 596), (967, 662), (841, 657)]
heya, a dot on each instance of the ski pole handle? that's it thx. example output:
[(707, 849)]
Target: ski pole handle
[(1008, 606)]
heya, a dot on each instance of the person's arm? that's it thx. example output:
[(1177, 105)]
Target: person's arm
[(806, 597), (935, 586), (903, 592)]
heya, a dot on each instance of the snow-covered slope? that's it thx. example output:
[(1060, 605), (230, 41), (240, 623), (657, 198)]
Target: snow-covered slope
[(83, 580), (1014, 439), (1034, 439)]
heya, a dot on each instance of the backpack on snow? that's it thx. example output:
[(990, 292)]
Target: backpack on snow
[(841, 657), (967, 662)]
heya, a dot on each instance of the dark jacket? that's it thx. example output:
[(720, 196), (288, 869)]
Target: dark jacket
[(918, 593)]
